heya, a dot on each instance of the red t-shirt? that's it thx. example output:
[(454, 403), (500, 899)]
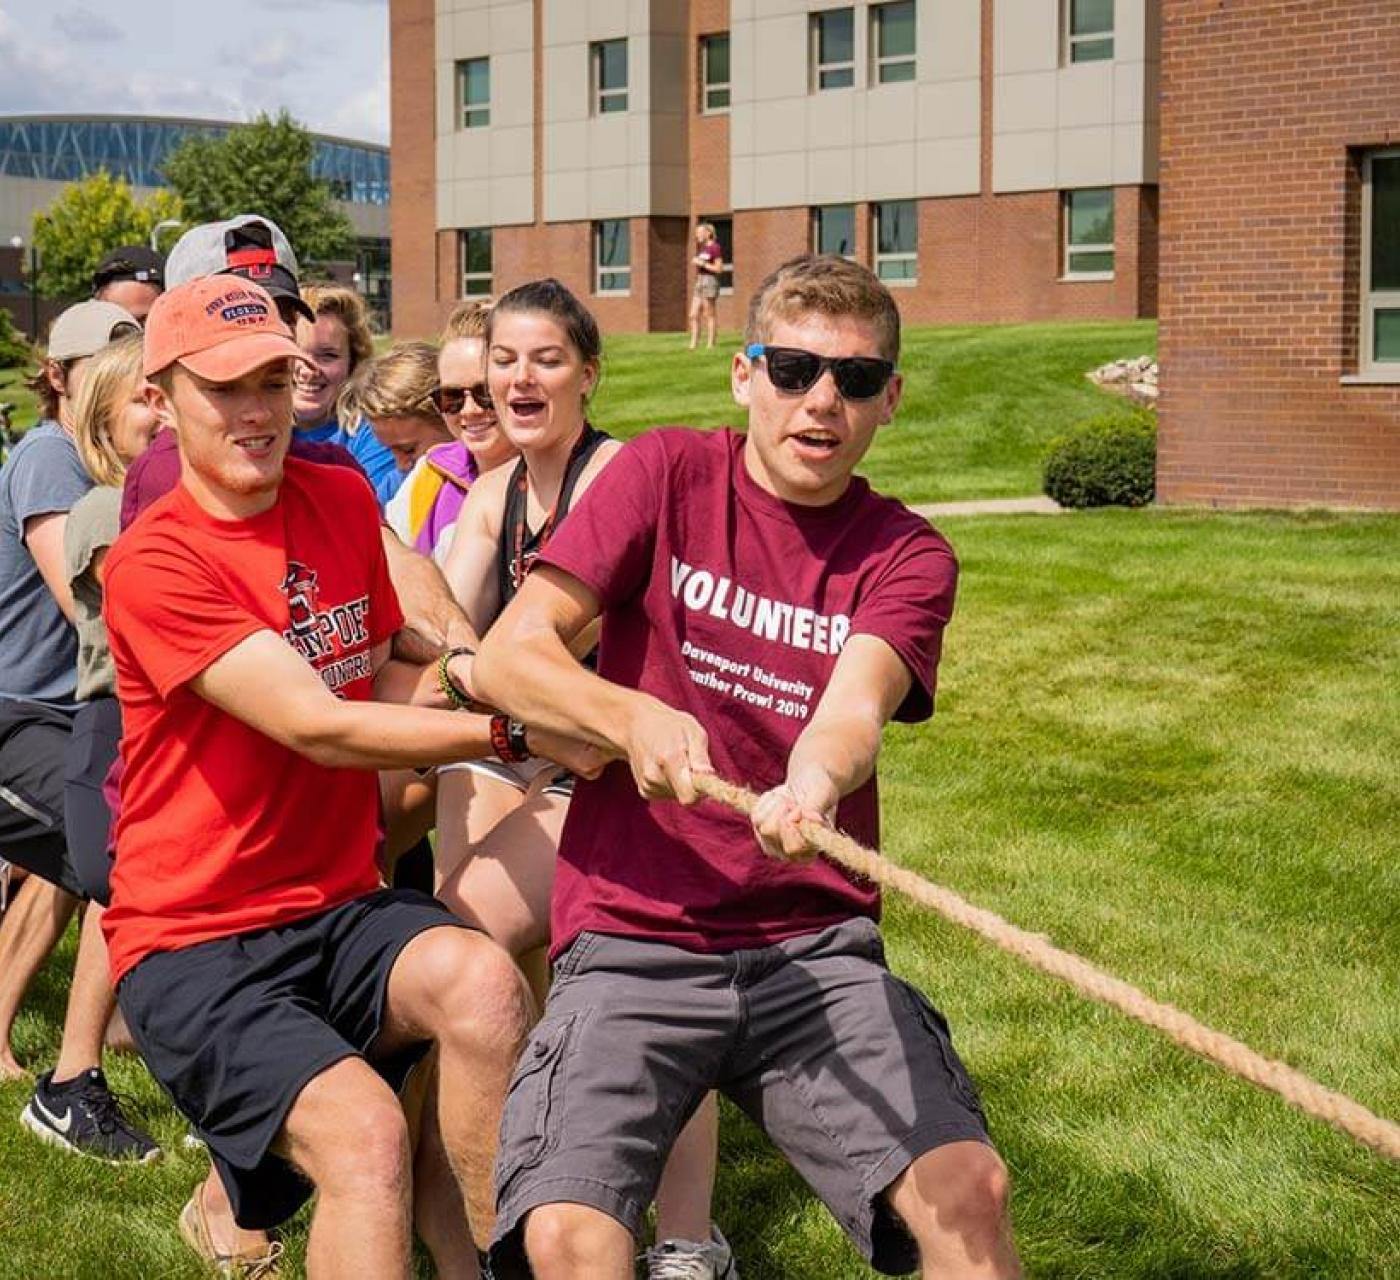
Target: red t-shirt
[(221, 829), (726, 602)]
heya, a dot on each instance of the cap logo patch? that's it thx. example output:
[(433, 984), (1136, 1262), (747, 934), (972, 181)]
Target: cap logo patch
[(245, 313)]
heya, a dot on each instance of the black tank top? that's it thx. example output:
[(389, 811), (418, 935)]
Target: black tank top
[(518, 546)]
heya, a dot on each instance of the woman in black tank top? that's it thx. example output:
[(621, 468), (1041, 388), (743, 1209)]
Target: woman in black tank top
[(542, 354)]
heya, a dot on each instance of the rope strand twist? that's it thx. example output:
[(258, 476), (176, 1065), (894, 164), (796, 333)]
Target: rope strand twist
[(1293, 1086)]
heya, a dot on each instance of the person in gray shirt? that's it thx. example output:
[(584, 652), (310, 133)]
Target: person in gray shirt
[(39, 484)]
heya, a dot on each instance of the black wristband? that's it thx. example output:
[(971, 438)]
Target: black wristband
[(515, 735)]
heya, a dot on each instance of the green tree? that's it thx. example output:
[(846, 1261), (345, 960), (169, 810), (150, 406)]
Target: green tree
[(263, 167), (14, 350), (88, 220)]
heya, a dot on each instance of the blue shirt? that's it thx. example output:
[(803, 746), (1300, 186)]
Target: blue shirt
[(377, 460), (38, 645)]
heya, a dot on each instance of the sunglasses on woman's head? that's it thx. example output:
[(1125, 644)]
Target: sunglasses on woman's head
[(454, 399), (794, 370)]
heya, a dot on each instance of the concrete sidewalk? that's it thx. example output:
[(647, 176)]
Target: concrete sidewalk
[(1035, 506)]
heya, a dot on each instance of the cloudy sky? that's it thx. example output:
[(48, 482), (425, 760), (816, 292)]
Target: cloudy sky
[(326, 61)]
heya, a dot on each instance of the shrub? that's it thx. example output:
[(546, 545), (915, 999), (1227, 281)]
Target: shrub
[(1107, 461)]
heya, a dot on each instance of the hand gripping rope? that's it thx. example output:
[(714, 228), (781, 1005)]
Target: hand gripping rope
[(1293, 1086)]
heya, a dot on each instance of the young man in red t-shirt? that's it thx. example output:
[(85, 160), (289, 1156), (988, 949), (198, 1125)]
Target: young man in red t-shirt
[(764, 614), (273, 987)]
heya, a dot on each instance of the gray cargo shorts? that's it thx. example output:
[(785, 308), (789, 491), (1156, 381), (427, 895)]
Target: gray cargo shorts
[(849, 1070)]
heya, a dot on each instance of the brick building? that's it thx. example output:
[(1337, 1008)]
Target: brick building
[(1280, 333), (993, 160)]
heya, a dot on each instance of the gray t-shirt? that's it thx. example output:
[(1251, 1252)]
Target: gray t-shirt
[(38, 646), (92, 526)]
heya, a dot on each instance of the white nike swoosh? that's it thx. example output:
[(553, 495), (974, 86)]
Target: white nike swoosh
[(61, 1124)]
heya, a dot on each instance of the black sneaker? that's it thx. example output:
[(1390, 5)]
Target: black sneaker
[(84, 1117)]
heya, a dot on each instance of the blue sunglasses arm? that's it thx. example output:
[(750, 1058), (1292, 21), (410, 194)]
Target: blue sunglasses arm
[(754, 350)]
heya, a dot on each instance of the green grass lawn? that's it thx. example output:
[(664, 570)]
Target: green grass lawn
[(980, 404), (1169, 742)]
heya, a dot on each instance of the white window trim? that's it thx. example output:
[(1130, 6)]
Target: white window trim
[(880, 61), (882, 258), (599, 270), (819, 68), (708, 86), (1082, 277), (1089, 37), (1373, 300), (465, 275), (463, 110), (600, 95)]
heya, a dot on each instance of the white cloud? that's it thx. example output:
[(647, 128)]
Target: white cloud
[(86, 26)]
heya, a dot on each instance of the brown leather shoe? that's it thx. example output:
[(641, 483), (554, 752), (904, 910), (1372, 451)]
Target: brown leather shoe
[(255, 1264)]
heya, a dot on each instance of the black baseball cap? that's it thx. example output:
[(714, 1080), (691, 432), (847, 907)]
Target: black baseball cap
[(130, 262)]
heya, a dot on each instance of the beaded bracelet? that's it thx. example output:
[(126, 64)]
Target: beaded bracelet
[(460, 701)]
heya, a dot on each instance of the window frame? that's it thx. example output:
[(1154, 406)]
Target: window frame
[(596, 58), (466, 110), (820, 69), (880, 62), (881, 259), (708, 86), (1067, 273), (1373, 300), (599, 270), (466, 278), (817, 210), (1073, 43)]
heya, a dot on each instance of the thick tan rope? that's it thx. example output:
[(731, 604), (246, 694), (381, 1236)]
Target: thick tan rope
[(1293, 1086)]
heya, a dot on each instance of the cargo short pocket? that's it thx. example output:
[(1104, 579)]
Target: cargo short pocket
[(936, 1025), (532, 1124)]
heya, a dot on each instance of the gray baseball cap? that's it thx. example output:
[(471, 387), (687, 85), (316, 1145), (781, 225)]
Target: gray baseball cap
[(249, 245), (86, 327)]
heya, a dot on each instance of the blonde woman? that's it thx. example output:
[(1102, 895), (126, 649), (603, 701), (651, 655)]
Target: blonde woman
[(336, 344), (113, 425), (709, 266), (392, 396), (424, 511)]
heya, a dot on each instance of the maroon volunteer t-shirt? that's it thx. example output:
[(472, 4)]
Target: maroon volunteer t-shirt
[(724, 601)]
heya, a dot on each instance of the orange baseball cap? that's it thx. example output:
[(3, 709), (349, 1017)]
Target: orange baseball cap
[(218, 327)]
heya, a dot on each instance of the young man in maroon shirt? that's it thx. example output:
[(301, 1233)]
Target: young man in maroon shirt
[(764, 614)]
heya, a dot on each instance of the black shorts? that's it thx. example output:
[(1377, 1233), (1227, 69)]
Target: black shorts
[(235, 1028), (33, 742), (95, 741)]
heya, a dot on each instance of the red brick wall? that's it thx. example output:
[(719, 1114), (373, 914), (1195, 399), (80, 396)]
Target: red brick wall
[(413, 240), (1265, 107)]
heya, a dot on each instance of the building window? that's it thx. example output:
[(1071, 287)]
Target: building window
[(1088, 220), (474, 92), (724, 233), (834, 229), (609, 58), (834, 49), (476, 261), (714, 73), (612, 256), (897, 241), (1380, 250), (892, 39), (1088, 30)]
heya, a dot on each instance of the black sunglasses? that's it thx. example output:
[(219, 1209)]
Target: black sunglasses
[(454, 399), (794, 370)]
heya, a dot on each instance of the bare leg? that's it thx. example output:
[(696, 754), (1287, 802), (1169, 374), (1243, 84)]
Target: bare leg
[(695, 305), (953, 1200), (38, 914), (90, 1002), (225, 1234), (439, 1211), (361, 1221), (574, 1242), (463, 991), (683, 1196), (410, 806), (468, 806), (710, 322), (504, 887)]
